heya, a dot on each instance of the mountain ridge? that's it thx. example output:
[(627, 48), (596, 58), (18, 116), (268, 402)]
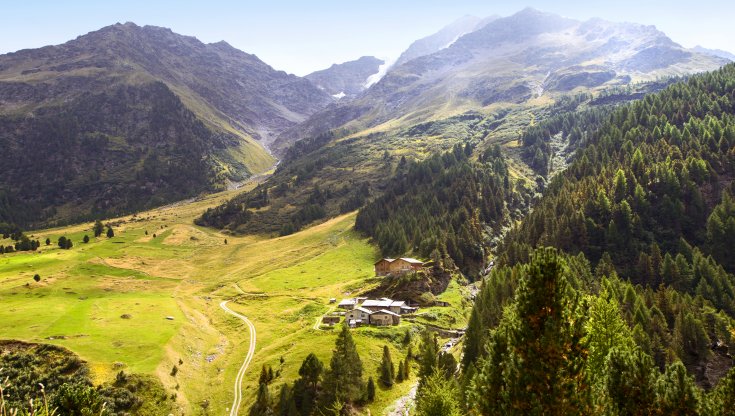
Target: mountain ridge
[(240, 102)]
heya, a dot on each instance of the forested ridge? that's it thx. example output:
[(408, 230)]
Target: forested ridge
[(446, 207), (632, 312)]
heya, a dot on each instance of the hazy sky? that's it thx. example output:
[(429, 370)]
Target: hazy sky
[(306, 35)]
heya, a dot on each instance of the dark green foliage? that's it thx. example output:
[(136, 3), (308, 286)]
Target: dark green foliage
[(266, 375), (721, 401), (428, 355), (649, 181), (22, 242), (536, 356), (387, 370), (110, 233), (85, 239), (443, 204), (98, 228), (676, 392), (721, 232), (119, 149), (370, 390), (65, 243), (343, 381), (630, 382), (68, 385), (37, 277), (262, 405), (78, 400), (438, 397)]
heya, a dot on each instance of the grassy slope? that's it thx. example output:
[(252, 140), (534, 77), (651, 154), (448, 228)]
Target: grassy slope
[(282, 285)]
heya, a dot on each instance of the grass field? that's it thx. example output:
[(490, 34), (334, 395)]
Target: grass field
[(148, 298)]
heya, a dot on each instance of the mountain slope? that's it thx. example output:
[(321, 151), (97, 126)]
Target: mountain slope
[(129, 117), (346, 79), (442, 39), (529, 57), (715, 52), (484, 89)]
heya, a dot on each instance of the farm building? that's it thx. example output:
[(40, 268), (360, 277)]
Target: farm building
[(360, 314), (350, 303), (330, 320), (385, 318), (384, 303), (384, 267), (380, 312)]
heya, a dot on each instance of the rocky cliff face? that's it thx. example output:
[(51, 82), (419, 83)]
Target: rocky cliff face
[(129, 117), (348, 79)]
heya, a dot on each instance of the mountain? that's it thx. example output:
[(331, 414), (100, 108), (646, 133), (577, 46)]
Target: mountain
[(715, 52), (128, 117), (483, 89), (346, 79), (443, 38), (529, 57)]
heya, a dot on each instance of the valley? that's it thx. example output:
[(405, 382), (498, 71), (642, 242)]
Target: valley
[(108, 300), (186, 230)]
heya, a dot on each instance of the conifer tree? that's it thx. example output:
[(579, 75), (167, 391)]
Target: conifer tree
[(387, 369), (343, 382), (98, 228), (262, 405)]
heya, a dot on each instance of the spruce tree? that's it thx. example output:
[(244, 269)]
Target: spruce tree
[(387, 370), (98, 228), (428, 355), (110, 233), (438, 397), (343, 382), (262, 405), (370, 390)]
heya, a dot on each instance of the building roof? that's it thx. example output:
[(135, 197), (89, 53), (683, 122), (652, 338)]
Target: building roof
[(350, 301), (386, 312), (381, 303), (397, 303), (388, 260), (361, 309), (412, 260)]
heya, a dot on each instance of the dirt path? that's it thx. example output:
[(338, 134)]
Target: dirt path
[(235, 409)]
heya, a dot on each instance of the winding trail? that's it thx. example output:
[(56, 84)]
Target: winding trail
[(235, 409)]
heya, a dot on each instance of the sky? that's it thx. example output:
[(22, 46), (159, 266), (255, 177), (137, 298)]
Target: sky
[(303, 36)]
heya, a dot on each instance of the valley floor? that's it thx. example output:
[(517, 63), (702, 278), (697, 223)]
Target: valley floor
[(149, 299)]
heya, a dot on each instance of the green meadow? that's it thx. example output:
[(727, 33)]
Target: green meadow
[(148, 299)]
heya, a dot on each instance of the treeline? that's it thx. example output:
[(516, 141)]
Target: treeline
[(446, 207), (22, 241), (651, 187), (552, 337)]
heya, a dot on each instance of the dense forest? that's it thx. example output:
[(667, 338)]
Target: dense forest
[(634, 312), (552, 337), (445, 207)]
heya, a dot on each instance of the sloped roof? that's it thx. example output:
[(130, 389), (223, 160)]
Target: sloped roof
[(412, 260), (387, 312), (377, 303), (361, 309), (388, 260)]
